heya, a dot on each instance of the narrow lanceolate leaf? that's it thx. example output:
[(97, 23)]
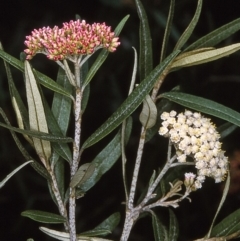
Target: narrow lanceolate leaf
[(216, 36), (205, 106), (37, 134), (145, 60), (58, 118), (61, 105), (15, 95), (83, 174), (66, 237), (224, 195), (39, 168), (173, 226), (104, 228), (43, 79), (148, 116), (188, 32), (107, 157), (130, 104), (43, 217), (103, 55), (2, 183), (160, 232), (167, 30), (37, 118), (228, 225), (226, 129), (206, 56)]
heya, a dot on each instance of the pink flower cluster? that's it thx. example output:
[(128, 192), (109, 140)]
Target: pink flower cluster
[(74, 38)]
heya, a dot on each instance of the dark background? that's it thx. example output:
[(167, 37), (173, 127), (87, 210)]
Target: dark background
[(218, 81)]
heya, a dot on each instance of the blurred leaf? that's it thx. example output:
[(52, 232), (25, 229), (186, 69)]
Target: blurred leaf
[(15, 94), (103, 55), (228, 225), (226, 129), (188, 31), (84, 172), (43, 79), (145, 58), (61, 148), (173, 226), (86, 92), (38, 134), (107, 157), (205, 106), (216, 36), (2, 183), (159, 230), (61, 105), (167, 30), (37, 118), (58, 119), (59, 171), (43, 217), (109, 224), (206, 56), (224, 195), (148, 115), (65, 236), (39, 168), (130, 104), (100, 232)]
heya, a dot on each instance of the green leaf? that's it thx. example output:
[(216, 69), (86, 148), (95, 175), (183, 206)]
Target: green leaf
[(148, 116), (109, 224), (145, 58), (173, 226), (66, 237), (107, 157), (205, 106), (38, 134), (58, 119), (43, 79), (86, 92), (206, 56), (39, 168), (216, 36), (130, 104), (226, 129), (224, 195), (160, 232), (228, 225), (92, 233), (61, 105), (15, 94), (103, 55), (37, 118), (167, 30), (84, 172), (188, 32), (43, 217), (2, 183)]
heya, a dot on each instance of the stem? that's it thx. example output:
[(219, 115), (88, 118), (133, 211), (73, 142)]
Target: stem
[(136, 168), (76, 155), (61, 206)]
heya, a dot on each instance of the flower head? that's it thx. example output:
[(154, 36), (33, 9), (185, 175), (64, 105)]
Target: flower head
[(74, 38), (196, 136)]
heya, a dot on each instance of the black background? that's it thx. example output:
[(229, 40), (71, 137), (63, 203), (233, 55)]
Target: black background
[(218, 81)]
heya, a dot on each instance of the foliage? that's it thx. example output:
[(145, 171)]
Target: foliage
[(47, 127)]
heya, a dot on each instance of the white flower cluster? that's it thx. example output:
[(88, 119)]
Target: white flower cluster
[(196, 136)]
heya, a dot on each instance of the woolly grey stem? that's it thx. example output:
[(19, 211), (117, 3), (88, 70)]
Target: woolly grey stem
[(76, 151), (61, 206), (136, 168)]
